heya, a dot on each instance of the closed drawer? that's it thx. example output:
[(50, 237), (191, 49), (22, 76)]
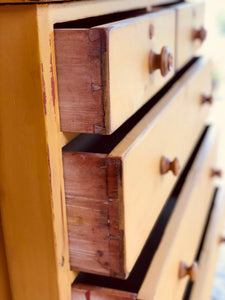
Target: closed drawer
[(104, 73), (111, 193), (179, 241), (202, 288), (190, 31)]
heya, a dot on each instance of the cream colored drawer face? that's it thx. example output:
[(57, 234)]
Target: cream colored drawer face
[(183, 233), (202, 288), (181, 238), (190, 31), (159, 2), (103, 72), (111, 206)]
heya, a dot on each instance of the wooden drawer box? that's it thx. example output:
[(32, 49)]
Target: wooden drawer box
[(179, 241), (110, 194), (190, 31), (104, 72)]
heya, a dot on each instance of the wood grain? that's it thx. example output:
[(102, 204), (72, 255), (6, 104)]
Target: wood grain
[(138, 174), (80, 85), (96, 241), (103, 73)]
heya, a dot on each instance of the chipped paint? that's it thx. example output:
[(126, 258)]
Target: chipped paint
[(44, 91)]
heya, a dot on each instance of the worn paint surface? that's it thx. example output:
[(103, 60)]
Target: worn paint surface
[(33, 214)]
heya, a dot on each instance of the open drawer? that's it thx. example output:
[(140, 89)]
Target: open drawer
[(166, 276), (112, 182), (105, 73)]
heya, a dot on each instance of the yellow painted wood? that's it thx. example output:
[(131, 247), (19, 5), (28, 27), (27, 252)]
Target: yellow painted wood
[(5, 293), (208, 260), (32, 203), (183, 233), (160, 132), (130, 82), (84, 9), (189, 16)]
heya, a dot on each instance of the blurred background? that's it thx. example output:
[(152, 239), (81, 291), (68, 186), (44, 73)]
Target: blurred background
[(215, 47)]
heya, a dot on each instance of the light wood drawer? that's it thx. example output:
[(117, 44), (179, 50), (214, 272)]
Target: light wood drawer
[(111, 193), (103, 72), (179, 241), (190, 31), (202, 288), (160, 2)]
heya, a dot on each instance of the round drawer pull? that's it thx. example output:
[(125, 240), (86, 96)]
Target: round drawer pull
[(216, 172), (188, 270), (162, 61), (166, 165), (199, 34), (221, 239), (206, 99)]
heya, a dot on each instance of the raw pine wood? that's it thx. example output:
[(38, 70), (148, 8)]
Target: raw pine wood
[(203, 286), (103, 72), (140, 154), (183, 233), (190, 16), (79, 58), (5, 293), (95, 232), (83, 291), (32, 204)]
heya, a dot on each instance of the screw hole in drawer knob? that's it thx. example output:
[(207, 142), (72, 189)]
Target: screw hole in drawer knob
[(222, 239), (216, 172), (191, 271), (199, 34), (206, 99), (162, 61), (166, 165)]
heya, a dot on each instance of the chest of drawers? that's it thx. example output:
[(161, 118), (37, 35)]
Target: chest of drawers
[(95, 203)]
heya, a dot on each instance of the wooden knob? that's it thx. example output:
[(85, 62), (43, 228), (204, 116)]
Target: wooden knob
[(206, 99), (199, 34), (162, 61), (166, 165), (191, 271), (221, 239), (216, 172)]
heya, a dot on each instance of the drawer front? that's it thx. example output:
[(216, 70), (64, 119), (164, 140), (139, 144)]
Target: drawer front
[(202, 288), (110, 197), (103, 73), (183, 234), (179, 242), (190, 31)]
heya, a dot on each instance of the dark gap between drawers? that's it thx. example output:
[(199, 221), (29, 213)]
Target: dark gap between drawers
[(96, 143), (137, 275), (198, 255), (99, 20)]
